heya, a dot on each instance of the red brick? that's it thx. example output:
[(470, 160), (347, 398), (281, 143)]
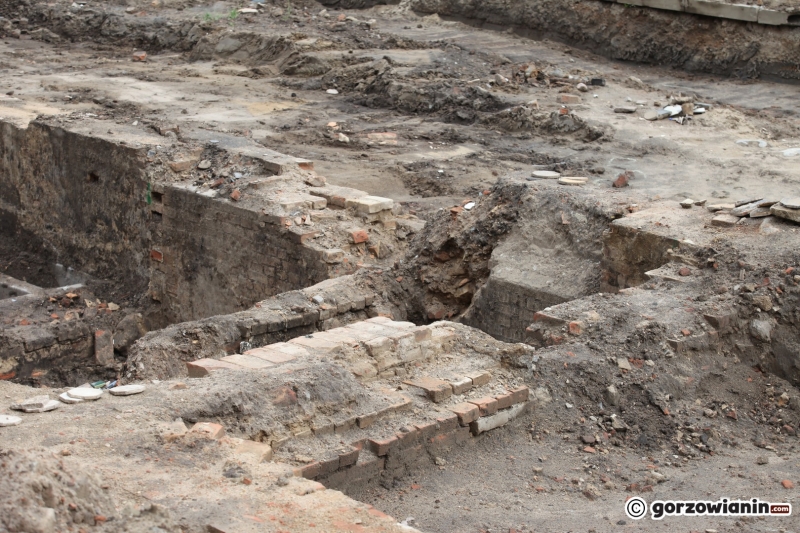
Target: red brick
[(285, 397), (344, 425), (487, 405), (575, 328), (208, 429), (622, 180), (139, 56), (204, 367), (268, 354), (437, 390), (479, 378), (466, 413), (246, 361), (358, 236), (505, 400), (104, 347), (569, 99), (787, 484), (408, 438), (520, 394), (155, 255), (365, 421), (402, 459), (427, 430), (366, 470), (349, 457), (404, 404), (236, 194), (309, 471), (329, 466), (302, 235), (382, 446), (547, 319), (323, 428), (447, 422)]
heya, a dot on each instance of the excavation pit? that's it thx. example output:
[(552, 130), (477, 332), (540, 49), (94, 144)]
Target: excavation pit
[(326, 245)]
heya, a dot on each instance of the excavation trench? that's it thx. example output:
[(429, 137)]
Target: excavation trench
[(636, 33), (523, 346), (142, 253), (188, 266)]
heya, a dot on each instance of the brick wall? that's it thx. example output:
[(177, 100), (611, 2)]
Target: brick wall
[(504, 309), (81, 195), (161, 354), (61, 351), (212, 257), (98, 204), (369, 459)]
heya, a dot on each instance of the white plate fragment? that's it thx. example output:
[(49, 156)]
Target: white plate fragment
[(126, 390), (545, 174), (50, 405), (66, 398), (8, 420), (35, 402), (574, 180), (85, 393)]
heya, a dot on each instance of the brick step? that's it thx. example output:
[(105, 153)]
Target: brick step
[(387, 448), (377, 347), (396, 406), (438, 390)]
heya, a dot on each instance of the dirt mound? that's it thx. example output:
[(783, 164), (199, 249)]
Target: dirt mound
[(380, 84), (524, 118), (246, 47), (262, 406), (47, 493)]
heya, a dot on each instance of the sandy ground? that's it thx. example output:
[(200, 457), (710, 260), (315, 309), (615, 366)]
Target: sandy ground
[(531, 476), (507, 481)]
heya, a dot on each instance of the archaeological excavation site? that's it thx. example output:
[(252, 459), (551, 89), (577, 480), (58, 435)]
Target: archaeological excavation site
[(437, 266)]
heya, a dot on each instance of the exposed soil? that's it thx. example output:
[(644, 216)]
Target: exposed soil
[(635, 390)]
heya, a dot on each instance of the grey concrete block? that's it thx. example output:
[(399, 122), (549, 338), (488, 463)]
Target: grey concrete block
[(774, 18), (501, 418), (717, 9), (671, 5)]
